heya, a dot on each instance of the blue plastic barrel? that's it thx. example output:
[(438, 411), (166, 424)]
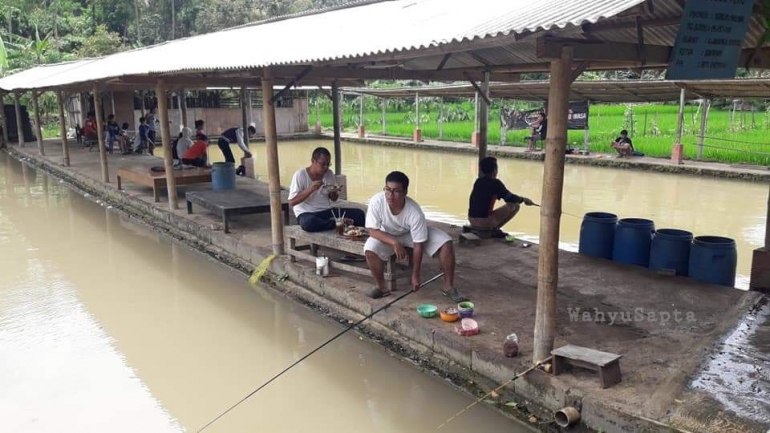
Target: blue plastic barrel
[(670, 249), (633, 237), (597, 233), (223, 176), (713, 259)]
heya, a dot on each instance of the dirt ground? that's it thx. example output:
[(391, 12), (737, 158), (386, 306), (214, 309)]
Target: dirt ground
[(669, 330)]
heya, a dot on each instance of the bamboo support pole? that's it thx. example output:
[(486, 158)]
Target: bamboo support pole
[(704, 113), (38, 128), (3, 121), (112, 102), (337, 126), (680, 118), (19, 123), (273, 170), (483, 110), (168, 152), (63, 129), (550, 211), (441, 118), (384, 109), (245, 115), (100, 135)]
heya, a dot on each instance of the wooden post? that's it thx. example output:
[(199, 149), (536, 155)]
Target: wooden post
[(83, 96), (441, 118), (19, 124), (3, 121), (38, 128), (100, 134), (484, 118), (384, 109), (706, 103), (587, 132), (677, 152), (417, 136), (168, 152), (244, 116), (644, 130), (112, 102), (336, 121), (550, 211), (63, 129), (273, 172)]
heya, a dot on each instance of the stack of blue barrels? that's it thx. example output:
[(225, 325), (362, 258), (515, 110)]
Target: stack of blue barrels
[(635, 241)]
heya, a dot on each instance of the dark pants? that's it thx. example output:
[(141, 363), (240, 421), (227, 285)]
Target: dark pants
[(324, 220), (197, 162), (224, 146)]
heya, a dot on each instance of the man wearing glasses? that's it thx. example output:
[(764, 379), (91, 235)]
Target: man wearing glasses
[(312, 191), (396, 222)]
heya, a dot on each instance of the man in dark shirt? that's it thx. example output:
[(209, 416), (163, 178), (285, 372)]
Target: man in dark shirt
[(623, 144), (486, 191)]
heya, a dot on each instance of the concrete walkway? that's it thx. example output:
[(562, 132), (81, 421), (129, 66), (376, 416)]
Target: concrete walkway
[(698, 168), (668, 329)]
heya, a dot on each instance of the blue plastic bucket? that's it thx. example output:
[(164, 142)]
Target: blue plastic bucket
[(670, 249), (597, 234), (633, 237), (222, 176), (713, 259)]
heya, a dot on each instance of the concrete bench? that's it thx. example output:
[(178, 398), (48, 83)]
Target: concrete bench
[(228, 203), (331, 240), (607, 364), (142, 175)]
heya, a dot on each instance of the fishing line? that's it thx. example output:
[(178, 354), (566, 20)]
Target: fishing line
[(493, 391), (565, 213), (319, 348)]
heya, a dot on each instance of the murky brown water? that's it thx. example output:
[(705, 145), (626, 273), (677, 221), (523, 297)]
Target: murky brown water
[(107, 327), (441, 183)]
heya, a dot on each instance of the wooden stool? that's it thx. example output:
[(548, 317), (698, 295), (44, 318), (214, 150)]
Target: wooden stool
[(607, 364), (480, 233), (470, 238)]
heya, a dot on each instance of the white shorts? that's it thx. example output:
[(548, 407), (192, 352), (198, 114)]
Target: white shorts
[(436, 239)]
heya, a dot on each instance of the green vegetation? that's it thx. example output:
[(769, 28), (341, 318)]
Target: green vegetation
[(652, 127)]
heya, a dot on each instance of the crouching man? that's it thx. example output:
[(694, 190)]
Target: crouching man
[(396, 222)]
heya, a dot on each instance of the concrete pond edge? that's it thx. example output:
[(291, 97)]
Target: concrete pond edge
[(537, 393)]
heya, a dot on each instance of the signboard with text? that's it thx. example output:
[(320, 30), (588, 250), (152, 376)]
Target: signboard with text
[(708, 45), (577, 117)]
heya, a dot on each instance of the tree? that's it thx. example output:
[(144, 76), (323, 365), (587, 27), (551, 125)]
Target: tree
[(101, 43)]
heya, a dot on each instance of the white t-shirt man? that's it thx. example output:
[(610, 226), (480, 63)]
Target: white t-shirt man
[(408, 227), (317, 201)]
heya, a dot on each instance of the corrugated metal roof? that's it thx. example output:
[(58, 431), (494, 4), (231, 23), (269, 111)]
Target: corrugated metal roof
[(369, 30), (23, 79), (620, 91)]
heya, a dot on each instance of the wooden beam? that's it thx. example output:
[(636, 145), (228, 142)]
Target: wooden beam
[(443, 61), (3, 121), (327, 94), (337, 126), (579, 69), (296, 80), (38, 128), (481, 91), (550, 211), (273, 167), (168, 152), (618, 25), (19, 124), (100, 134), (549, 47), (63, 129)]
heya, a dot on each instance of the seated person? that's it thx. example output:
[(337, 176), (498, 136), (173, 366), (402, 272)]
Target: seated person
[(396, 222), (311, 198), (539, 131), (486, 191), (623, 145), (89, 130), (196, 155), (124, 141), (183, 143)]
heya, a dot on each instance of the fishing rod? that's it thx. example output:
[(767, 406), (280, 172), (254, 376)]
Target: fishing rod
[(479, 400), (566, 213), (321, 347)]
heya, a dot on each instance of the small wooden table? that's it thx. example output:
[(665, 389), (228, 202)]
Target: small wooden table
[(157, 180), (330, 239), (607, 364), (227, 203)]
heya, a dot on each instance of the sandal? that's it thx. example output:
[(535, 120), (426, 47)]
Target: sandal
[(454, 295), (376, 293)]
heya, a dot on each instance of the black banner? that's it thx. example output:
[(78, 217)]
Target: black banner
[(577, 117)]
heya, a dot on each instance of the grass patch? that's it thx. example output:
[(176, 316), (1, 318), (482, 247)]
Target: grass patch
[(651, 126)]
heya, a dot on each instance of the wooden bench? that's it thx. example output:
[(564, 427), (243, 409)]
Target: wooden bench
[(331, 240), (157, 180), (607, 364), (228, 203)]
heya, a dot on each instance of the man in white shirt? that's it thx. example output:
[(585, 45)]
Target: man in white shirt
[(396, 222), (310, 196)]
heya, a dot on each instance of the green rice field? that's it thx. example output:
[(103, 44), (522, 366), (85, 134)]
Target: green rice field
[(651, 127)]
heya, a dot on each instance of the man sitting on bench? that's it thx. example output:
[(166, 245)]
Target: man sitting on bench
[(396, 222), (486, 191), (310, 195)]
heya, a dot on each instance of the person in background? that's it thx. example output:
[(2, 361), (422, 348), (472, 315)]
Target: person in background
[(142, 138), (196, 154), (235, 135), (623, 145), (539, 130), (183, 143), (151, 119), (199, 127), (396, 222), (112, 132), (312, 191), (124, 141), (89, 128), (487, 190)]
